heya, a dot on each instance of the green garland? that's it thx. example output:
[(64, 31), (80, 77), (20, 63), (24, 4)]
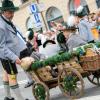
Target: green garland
[(97, 44), (40, 92), (70, 83), (79, 51), (52, 60), (91, 45)]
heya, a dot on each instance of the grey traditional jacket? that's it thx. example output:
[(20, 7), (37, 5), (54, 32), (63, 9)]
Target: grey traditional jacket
[(85, 30), (75, 40), (10, 44)]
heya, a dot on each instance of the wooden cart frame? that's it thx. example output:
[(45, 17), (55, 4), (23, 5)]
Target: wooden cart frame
[(43, 79)]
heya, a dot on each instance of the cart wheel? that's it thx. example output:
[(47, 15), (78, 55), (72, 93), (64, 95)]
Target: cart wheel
[(94, 77), (40, 91), (71, 83)]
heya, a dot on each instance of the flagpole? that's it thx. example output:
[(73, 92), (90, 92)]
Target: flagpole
[(42, 17)]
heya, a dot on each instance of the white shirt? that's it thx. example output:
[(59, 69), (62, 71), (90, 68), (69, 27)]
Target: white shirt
[(49, 50)]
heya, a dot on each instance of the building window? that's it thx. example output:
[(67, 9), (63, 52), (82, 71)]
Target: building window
[(23, 1), (54, 14), (29, 22), (98, 3)]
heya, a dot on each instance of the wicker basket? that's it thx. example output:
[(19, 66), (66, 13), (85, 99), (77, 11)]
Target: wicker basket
[(72, 63), (90, 63), (44, 73)]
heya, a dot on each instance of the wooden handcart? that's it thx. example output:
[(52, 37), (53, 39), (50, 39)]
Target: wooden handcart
[(69, 79), (65, 73), (68, 75)]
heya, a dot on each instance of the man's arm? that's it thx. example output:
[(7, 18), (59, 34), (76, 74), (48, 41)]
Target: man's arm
[(5, 52)]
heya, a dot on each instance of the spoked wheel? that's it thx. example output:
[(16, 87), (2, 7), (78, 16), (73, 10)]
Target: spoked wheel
[(71, 83), (94, 77), (40, 91)]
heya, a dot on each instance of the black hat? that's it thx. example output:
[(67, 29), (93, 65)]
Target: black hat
[(61, 38), (8, 5), (68, 27), (48, 41), (81, 11), (31, 34)]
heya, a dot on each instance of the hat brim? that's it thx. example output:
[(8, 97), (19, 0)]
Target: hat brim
[(69, 28), (9, 9)]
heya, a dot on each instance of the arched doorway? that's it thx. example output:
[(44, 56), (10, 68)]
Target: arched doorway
[(74, 4), (54, 14), (29, 23)]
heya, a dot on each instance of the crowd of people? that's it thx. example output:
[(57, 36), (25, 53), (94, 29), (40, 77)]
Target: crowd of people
[(60, 35), (77, 31)]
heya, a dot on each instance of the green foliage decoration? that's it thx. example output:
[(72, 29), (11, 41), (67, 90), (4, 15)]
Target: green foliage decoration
[(52, 60), (80, 51), (97, 44), (66, 56), (90, 45), (40, 92), (36, 65), (70, 83)]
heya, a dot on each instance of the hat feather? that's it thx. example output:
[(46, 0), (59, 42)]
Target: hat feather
[(79, 9), (71, 21)]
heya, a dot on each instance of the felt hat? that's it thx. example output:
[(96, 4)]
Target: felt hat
[(8, 5), (30, 33), (70, 24), (81, 11)]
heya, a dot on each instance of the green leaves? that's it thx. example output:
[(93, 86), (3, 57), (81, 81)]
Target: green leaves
[(36, 65), (70, 83), (40, 92), (52, 60), (66, 56), (80, 51), (97, 44), (88, 46)]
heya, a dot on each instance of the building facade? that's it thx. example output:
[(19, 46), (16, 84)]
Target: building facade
[(57, 10)]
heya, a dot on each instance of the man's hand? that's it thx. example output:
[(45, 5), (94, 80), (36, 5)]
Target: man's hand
[(18, 61)]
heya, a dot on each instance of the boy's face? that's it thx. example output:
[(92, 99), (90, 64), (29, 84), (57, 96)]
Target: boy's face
[(60, 26), (76, 20), (66, 33)]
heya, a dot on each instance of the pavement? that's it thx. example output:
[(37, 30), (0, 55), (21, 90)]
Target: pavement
[(91, 92)]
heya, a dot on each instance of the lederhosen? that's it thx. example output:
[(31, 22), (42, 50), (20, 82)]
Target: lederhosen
[(9, 66)]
